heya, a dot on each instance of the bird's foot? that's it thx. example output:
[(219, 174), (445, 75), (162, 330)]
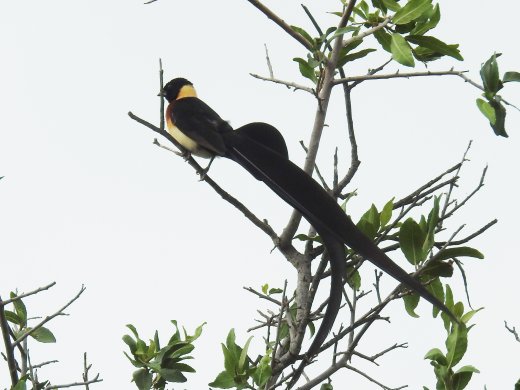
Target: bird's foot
[(204, 171)]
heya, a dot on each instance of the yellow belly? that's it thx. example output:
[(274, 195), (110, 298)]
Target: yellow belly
[(192, 146)]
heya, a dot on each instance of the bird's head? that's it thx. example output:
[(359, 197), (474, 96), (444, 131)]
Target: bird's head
[(177, 89)]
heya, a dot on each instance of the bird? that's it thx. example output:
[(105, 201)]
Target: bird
[(261, 150)]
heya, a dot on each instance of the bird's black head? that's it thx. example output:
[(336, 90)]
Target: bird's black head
[(172, 90)]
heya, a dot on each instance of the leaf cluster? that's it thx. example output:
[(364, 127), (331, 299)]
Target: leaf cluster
[(492, 105), (239, 369), (456, 346), (158, 366)]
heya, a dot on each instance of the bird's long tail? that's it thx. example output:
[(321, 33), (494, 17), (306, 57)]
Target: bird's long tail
[(267, 162)]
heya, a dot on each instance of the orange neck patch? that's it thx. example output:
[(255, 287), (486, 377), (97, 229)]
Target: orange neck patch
[(186, 91)]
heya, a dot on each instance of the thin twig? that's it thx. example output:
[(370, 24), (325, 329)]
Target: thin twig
[(348, 366), (48, 318), (280, 22), (317, 169), (319, 120), (405, 75), (263, 225), (447, 201), (288, 84), (96, 379), (263, 296), (512, 331), (280, 315), (268, 60), (24, 295), (161, 86), (368, 32), (9, 347)]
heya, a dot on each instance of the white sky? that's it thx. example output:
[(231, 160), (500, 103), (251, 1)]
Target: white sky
[(88, 199)]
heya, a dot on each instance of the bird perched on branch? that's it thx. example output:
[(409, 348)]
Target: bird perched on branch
[(261, 150)]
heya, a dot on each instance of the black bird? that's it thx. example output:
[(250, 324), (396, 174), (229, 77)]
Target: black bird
[(261, 150)]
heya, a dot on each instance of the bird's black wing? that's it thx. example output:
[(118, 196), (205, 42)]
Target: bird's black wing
[(199, 122)]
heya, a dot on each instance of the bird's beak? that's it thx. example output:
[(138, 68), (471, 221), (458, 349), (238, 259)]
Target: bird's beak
[(161, 93)]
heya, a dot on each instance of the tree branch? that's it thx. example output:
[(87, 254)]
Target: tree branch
[(280, 22), (48, 318)]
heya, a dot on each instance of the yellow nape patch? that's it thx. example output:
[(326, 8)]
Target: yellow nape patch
[(187, 91)]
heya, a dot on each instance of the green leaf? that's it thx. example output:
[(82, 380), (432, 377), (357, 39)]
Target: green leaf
[(172, 375), (263, 371), (462, 377), (410, 304), (436, 45), (431, 225), (437, 289), (20, 309), (386, 214), (488, 111), (275, 291), (128, 340), (461, 251), (384, 39), (353, 278), (438, 269), (423, 27), (306, 70), (469, 369), (243, 356), (499, 125), (392, 5), (511, 76), (20, 385), (517, 385), (183, 367), (369, 222), (424, 54), (265, 287), (456, 344), (196, 335), (326, 386), (343, 31), (436, 355), (401, 50), (364, 6), (469, 315), (413, 10), (224, 380), (305, 237), (133, 329), (143, 379), (43, 335), (411, 239), (490, 76), (304, 34), (354, 56), (13, 318)]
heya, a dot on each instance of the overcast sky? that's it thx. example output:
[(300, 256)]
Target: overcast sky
[(88, 199)]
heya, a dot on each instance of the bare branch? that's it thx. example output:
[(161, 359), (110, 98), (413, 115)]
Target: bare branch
[(75, 384), (407, 199), (48, 318), (465, 200), (323, 95), (9, 347), (280, 22), (24, 295), (405, 75), (512, 331), (368, 32), (288, 84), (263, 225), (348, 366), (263, 296)]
